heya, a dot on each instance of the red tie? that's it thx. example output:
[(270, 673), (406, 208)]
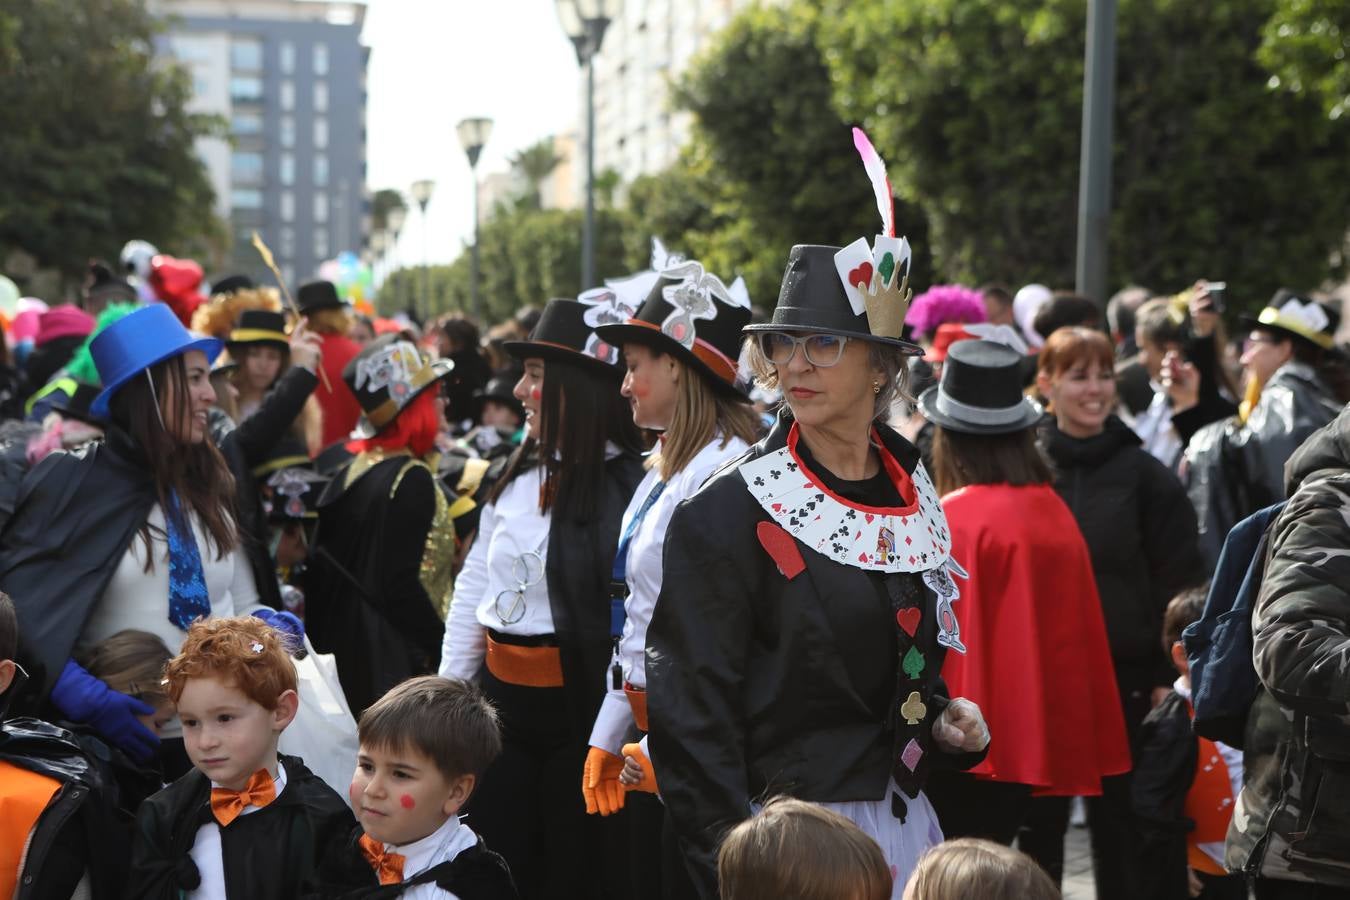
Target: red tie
[(388, 866), (226, 805)]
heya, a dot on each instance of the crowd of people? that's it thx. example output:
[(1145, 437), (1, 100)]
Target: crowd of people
[(648, 594)]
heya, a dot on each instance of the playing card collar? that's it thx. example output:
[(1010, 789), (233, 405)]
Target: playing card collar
[(909, 538)]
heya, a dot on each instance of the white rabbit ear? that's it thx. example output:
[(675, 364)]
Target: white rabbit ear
[(999, 334), (738, 294)]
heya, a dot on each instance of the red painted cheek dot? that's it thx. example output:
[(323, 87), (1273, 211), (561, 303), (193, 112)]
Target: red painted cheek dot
[(406, 801), (535, 393)]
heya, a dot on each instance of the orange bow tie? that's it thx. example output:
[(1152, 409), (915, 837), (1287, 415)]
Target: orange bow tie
[(388, 866), (226, 805)]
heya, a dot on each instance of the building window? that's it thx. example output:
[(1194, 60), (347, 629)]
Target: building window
[(287, 207), (246, 124), (320, 133), (320, 207), (288, 95), (246, 55), (246, 167), (287, 55), (246, 89), (321, 243), (287, 169), (287, 131), (320, 59), (320, 96), (287, 239), (320, 171), (246, 198)]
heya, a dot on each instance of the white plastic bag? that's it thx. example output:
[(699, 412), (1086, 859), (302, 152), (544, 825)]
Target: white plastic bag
[(324, 732)]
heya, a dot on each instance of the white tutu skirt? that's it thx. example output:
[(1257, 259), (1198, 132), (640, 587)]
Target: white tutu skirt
[(902, 843)]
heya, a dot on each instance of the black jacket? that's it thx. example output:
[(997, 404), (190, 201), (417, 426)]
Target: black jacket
[(759, 685), (1165, 755), (272, 853), (474, 874), (1140, 529)]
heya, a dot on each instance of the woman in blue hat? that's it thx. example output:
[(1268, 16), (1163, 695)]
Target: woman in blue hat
[(138, 532)]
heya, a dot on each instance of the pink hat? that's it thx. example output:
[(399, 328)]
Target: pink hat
[(63, 321)]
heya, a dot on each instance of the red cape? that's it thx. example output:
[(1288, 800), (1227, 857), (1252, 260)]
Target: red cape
[(340, 408), (1038, 663)]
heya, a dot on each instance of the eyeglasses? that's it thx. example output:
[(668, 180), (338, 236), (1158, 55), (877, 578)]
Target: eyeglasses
[(821, 350), (527, 570)]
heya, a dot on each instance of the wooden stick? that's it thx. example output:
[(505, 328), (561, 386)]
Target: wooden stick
[(271, 263)]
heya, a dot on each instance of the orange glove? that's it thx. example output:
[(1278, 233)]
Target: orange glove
[(634, 754), (600, 782)]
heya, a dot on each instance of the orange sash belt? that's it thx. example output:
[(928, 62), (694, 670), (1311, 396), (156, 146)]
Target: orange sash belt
[(637, 698), (524, 666)]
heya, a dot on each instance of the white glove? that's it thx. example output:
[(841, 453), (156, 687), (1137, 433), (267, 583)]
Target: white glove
[(961, 728)]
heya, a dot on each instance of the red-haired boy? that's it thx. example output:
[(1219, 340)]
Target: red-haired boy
[(245, 822)]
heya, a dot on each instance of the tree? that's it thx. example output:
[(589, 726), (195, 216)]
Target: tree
[(771, 164), (97, 140), (385, 201), (1306, 44), (977, 103), (535, 163)]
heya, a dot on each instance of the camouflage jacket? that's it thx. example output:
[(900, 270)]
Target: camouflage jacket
[(1292, 820)]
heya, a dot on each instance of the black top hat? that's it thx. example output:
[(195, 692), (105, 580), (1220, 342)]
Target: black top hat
[(1298, 317), (386, 376), (231, 283), (291, 486), (316, 295), (812, 298), (501, 389), (685, 318), (980, 391), (260, 326), (76, 405), (566, 333)]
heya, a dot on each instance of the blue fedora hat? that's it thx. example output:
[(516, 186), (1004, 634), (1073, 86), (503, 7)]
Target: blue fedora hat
[(136, 342)]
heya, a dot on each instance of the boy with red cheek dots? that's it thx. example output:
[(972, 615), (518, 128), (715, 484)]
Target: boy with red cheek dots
[(424, 745), (246, 822)]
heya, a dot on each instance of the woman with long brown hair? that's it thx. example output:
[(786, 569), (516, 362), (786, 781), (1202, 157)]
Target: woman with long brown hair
[(138, 532)]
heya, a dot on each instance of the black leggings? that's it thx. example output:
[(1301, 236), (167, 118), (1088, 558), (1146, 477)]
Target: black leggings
[(967, 806)]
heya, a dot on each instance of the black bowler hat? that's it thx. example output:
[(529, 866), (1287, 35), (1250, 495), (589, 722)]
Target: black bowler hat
[(260, 326), (693, 317), (812, 298), (232, 283), (77, 404), (500, 388), (566, 333), (980, 391), (316, 295), (386, 376)]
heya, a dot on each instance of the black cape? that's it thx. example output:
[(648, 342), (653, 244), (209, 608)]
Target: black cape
[(272, 853)]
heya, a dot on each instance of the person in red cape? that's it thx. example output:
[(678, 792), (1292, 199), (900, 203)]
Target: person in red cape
[(328, 317), (1039, 664)]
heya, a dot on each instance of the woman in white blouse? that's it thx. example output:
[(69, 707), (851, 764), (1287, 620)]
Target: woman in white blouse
[(530, 618), (138, 532)]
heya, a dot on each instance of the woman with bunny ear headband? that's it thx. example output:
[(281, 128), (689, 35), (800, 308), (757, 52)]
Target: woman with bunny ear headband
[(530, 617)]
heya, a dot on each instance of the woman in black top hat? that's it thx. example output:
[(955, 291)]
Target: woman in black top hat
[(378, 584), (796, 582), (531, 614), (1038, 663), (261, 351)]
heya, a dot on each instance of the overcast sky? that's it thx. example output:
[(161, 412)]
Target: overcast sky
[(435, 62)]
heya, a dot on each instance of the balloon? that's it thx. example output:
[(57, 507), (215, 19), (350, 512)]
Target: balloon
[(9, 297), (136, 257)]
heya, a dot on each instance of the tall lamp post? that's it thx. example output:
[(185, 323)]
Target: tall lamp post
[(421, 192), (585, 22), (1094, 177), (395, 219), (473, 134)]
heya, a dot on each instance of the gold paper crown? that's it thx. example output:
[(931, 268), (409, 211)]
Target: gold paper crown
[(886, 304)]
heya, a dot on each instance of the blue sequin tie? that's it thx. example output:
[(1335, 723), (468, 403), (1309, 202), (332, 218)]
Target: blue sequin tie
[(188, 599)]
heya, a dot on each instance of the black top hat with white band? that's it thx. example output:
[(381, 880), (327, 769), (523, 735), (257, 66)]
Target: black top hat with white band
[(567, 333), (980, 391)]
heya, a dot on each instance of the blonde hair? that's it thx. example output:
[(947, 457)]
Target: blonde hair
[(329, 321), (969, 867), (130, 662), (804, 851), (890, 359), (701, 413)]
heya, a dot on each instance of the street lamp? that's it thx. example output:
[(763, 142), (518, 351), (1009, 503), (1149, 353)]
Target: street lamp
[(394, 220), (421, 192), (473, 134), (585, 22)]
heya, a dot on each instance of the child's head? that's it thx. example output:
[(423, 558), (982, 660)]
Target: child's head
[(797, 849), (132, 662), (235, 688), (1185, 608), (9, 641), (423, 747), (969, 867)]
